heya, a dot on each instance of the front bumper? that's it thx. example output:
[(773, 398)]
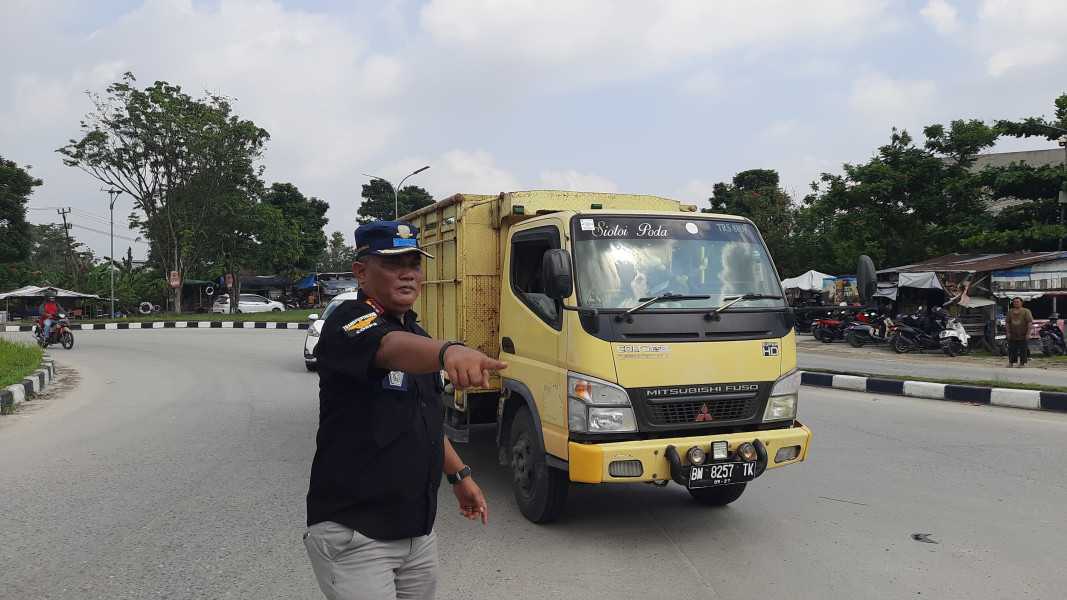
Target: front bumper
[(592, 463)]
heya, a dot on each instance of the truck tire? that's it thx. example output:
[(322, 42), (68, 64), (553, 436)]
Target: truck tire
[(718, 495), (540, 490)]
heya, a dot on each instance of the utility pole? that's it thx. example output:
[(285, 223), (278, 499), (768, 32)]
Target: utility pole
[(70, 250), (112, 193)]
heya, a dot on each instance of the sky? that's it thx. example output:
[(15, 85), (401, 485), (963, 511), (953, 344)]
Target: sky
[(664, 97)]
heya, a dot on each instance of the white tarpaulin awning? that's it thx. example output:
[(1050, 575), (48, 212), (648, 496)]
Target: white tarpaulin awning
[(926, 280), (811, 281), (31, 291)]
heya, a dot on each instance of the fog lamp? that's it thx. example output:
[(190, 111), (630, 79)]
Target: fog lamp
[(720, 450), (696, 456), (746, 452), (786, 454)]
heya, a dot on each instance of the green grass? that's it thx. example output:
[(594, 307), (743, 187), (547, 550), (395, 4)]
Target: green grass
[(17, 361)]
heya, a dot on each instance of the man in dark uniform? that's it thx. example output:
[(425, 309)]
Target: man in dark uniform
[(381, 448)]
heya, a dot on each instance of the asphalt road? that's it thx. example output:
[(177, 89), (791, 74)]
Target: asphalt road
[(173, 464)]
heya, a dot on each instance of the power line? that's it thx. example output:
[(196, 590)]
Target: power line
[(122, 237)]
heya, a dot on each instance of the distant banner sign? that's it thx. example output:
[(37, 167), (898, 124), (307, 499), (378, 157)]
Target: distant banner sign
[(175, 281), (229, 281)]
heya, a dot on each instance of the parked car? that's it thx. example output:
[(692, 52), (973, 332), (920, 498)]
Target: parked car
[(249, 303), (315, 329)]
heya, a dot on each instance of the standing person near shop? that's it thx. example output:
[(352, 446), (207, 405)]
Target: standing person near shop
[(380, 449), (1018, 332)]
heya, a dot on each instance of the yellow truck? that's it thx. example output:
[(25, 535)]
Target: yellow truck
[(646, 341)]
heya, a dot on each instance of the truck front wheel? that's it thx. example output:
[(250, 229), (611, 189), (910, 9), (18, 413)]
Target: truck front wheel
[(540, 490), (718, 495)]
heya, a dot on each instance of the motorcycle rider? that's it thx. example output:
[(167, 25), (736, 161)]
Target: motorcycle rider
[(1018, 332), (47, 310)]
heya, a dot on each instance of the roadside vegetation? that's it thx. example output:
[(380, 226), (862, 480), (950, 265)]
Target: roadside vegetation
[(17, 361)]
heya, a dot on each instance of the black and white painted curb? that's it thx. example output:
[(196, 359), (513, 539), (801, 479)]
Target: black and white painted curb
[(31, 384), (172, 325), (1031, 399)]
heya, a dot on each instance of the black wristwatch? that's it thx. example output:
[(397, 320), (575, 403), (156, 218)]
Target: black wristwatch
[(458, 476)]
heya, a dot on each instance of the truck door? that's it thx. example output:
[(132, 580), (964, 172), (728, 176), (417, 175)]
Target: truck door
[(532, 334)]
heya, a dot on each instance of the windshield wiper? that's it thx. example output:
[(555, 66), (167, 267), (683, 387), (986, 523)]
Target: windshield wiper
[(714, 315), (668, 297)]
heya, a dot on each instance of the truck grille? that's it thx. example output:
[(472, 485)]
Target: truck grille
[(727, 409)]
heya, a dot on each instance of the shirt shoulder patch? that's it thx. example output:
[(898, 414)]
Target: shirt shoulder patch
[(374, 305), (360, 324)]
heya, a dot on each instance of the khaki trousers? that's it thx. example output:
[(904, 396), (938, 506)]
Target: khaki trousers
[(350, 566)]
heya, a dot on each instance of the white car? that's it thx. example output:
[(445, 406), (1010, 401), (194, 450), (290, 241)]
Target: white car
[(315, 329), (249, 303)]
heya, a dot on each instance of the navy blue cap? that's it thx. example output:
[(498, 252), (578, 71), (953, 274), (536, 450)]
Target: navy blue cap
[(387, 238)]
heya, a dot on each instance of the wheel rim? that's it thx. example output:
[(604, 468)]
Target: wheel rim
[(522, 464)]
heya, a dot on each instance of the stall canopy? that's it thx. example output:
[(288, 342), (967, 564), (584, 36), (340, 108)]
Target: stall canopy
[(32, 291), (810, 281)]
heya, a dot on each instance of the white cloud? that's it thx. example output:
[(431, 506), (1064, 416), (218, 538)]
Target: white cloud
[(941, 15), (1032, 54), (577, 182), (1017, 34), (459, 171), (883, 102)]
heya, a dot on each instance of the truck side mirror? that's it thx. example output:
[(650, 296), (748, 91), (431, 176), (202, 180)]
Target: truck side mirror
[(866, 278), (556, 276)]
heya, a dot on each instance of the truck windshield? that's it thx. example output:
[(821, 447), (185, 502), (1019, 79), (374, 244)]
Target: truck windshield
[(621, 259)]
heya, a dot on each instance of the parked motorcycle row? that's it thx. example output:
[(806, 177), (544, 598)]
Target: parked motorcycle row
[(933, 330)]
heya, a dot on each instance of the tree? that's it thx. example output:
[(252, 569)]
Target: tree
[(338, 257), (907, 204), (16, 243), (308, 215), (380, 201), (1033, 225), (52, 252), (756, 194), (175, 156), (16, 185)]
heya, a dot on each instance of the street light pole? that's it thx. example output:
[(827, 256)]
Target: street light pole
[(113, 194), (396, 188)]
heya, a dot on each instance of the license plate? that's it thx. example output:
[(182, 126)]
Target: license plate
[(721, 473), (944, 334)]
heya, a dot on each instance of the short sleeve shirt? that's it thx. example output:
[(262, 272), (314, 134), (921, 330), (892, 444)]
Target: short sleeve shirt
[(380, 445), (1019, 323)]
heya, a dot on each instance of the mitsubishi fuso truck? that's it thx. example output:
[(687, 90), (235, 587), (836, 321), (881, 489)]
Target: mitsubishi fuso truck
[(646, 341)]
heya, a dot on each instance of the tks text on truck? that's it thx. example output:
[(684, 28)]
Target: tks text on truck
[(646, 342)]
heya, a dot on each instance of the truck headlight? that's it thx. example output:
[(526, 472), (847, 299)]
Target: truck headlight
[(782, 403), (597, 406)]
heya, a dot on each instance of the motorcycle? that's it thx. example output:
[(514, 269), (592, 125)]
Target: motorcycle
[(828, 329), (59, 334), (923, 335), (871, 327), (1051, 335), (954, 338)]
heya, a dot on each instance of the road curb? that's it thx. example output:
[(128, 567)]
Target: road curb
[(172, 325), (1012, 398), (30, 385)]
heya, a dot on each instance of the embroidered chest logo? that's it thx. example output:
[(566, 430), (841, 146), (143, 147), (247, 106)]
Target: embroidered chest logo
[(395, 380)]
